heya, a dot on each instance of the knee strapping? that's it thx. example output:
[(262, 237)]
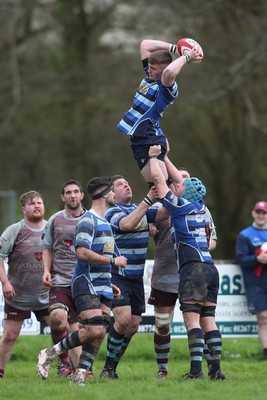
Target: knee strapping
[(103, 320), (208, 311), (195, 308), (58, 306), (163, 322)]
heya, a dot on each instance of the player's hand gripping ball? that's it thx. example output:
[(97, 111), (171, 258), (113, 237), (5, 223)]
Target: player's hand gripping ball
[(185, 44)]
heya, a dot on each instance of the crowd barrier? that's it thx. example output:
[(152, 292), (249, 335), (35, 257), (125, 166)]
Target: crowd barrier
[(232, 315)]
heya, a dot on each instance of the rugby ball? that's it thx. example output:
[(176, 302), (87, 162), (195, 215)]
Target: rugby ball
[(185, 44), (264, 247)]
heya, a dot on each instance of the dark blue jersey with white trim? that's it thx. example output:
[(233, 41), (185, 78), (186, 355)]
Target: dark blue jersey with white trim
[(188, 228)]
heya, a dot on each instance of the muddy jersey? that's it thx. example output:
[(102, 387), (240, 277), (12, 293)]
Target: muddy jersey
[(21, 246), (59, 236), (165, 275)]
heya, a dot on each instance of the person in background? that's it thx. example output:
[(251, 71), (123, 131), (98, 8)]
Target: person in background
[(164, 287), (22, 285), (59, 260), (199, 278), (156, 92), (92, 289), (251, 255)]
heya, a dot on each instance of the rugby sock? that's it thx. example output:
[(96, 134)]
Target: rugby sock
[(206, 353), (68, 343), (114, 344), (265, 353), (57, 336), (196, 345), (162, 346), (214, 342), (2, 373), (88, 356), (124, 346)]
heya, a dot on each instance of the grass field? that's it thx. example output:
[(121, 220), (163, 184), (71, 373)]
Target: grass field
[(241, 361)]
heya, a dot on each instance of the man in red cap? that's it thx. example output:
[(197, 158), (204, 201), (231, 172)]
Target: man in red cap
[(251, 255)]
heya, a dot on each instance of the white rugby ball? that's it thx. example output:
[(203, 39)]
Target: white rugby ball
[(264, 247), (185, 44)]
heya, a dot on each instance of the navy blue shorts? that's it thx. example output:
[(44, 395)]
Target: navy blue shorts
[(199, 281), (140, 151), (132, 293), (83, 299), (257, 299)]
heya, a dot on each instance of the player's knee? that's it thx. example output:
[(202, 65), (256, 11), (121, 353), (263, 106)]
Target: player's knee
[(208, 311), (188, 307), (163, 322)]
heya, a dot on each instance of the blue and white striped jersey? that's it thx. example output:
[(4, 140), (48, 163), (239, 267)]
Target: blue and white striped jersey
[(131, 244), (150, 101), (188, 228), (95, 233)]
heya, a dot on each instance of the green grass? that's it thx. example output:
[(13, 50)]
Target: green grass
[(241, 361)]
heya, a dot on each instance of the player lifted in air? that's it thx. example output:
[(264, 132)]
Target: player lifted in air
[(156, 92)]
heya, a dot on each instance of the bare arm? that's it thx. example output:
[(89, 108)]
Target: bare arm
[(173, 69), (47, 263), (132, 220), (91, 257), (148, 46), (8, 290)]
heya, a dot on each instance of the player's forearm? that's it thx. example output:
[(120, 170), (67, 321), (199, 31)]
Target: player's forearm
[(172, 70), (173, 172), (148, 46), (47, 259), (90, 257), (133, 219)]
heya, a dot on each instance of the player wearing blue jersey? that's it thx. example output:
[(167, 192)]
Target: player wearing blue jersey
[(199, 278), (91, 284), (156, 92), (253, 261), (164, 286), (130, 225)]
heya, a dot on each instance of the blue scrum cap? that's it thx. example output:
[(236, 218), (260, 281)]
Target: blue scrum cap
[(194, 189)]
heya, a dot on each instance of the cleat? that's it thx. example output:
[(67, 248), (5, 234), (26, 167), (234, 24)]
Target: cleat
[(45, 359), (64, 371), (79, 377), (162, 374), (109, 373), (218, 376), (200, 375), (89, 373)]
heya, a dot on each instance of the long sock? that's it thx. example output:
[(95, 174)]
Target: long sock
[(214, 342), (162, 346), (2, 373), (114, 345), (71, 341), (206, 353), (265, 353), (196, 345), (124, 346), (88, 356), (57, 336)]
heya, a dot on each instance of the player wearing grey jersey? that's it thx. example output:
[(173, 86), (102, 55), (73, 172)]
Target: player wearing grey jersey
[(59, 260), (22, 285)]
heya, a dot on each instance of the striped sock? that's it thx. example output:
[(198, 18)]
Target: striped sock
[(196, 345), (214, 342), (88, 356), (114, 345), (162, 346), (124, 346)]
